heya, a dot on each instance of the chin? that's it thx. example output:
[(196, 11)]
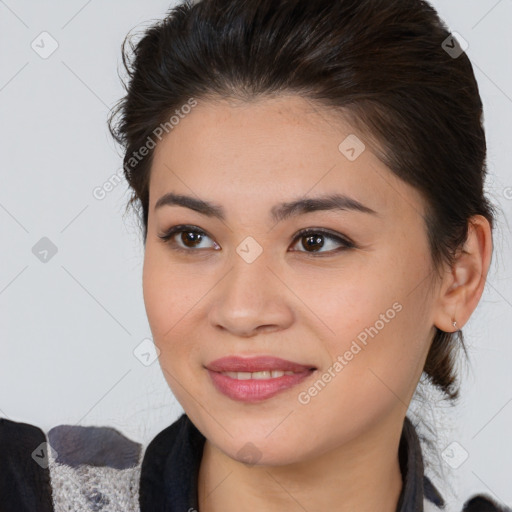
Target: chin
[(251, 443)]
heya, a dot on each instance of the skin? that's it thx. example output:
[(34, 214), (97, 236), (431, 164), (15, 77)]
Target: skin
[(340, 450)]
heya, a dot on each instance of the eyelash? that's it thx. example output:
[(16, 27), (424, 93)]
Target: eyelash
[(347, 244)]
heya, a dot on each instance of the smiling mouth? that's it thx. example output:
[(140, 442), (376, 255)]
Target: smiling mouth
[(254, 379)]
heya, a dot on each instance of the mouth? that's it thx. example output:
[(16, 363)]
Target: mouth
[(256, 379)]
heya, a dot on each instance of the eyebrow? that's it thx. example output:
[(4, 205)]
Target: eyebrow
[(278, 212)]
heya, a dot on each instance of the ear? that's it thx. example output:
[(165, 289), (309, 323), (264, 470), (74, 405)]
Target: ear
[(464, 283)]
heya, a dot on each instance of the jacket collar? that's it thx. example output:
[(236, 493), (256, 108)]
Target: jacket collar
[(170, 470)]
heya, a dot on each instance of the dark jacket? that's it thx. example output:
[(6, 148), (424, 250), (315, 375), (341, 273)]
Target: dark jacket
[(85, 468)]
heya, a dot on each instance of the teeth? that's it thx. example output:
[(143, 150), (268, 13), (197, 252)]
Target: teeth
[(273, 374), (260, 375)]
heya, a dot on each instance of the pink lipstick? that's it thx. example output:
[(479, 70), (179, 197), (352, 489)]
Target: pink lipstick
[(253, 379)]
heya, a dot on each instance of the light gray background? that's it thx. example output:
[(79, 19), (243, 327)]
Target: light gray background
[(70, 325)]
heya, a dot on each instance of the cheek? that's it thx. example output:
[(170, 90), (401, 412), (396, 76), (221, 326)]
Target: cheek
[(159, 296), (372, 326), (165, 291), (171, 296), (164, 308), (344, 306)]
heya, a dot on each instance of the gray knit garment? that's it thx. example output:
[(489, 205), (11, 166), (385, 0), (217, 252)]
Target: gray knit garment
[(93, 469)]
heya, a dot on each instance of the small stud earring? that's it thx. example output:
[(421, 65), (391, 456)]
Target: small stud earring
[(454, 324)]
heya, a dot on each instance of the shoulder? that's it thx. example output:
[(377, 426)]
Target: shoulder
[(71, 467), (434, 502), (24, 476), (483, 503), (93, 467), (478, 503)]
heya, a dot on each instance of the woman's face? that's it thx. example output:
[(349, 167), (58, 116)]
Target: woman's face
[(347, 306)]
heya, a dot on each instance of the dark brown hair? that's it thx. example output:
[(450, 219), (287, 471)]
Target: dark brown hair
[(391, 68)]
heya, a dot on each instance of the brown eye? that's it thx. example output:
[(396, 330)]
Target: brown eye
[(189, 240), (313, 240), (191, 237)]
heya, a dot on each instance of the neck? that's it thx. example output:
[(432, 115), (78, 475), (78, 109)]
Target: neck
[(362, 475)]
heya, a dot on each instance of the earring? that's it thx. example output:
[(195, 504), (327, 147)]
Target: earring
[(455, 324)]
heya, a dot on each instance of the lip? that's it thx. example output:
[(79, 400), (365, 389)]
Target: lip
[(255, 390)]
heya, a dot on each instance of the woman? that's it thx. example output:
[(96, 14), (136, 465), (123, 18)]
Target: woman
[(309, 178)]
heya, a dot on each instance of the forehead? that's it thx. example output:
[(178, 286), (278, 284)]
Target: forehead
[(275, 122), (285, 146)]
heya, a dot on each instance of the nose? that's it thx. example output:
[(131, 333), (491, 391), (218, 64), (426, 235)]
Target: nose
[(251, 299)]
